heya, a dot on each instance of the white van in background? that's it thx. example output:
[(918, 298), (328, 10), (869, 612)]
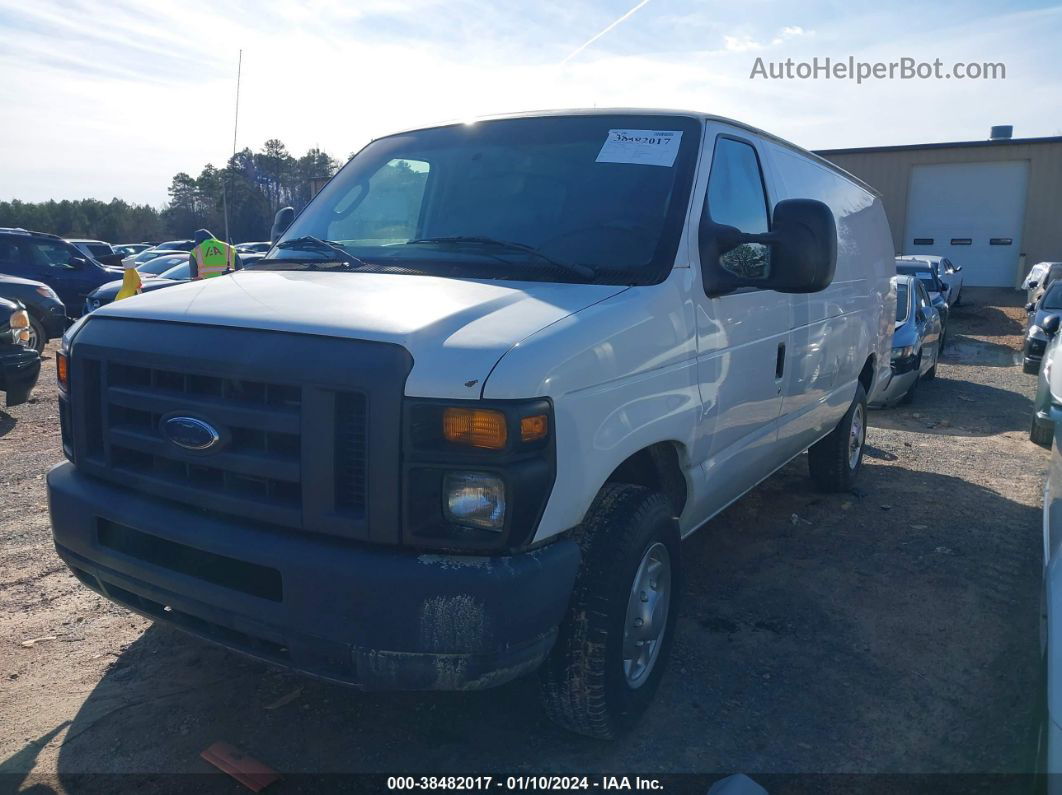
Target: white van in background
[(452, 428)]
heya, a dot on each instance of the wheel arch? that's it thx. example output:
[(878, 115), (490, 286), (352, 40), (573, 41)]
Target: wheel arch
[(657, 467), (866, 375)]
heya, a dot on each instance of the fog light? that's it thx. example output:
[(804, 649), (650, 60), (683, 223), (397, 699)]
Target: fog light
[(475, 499)]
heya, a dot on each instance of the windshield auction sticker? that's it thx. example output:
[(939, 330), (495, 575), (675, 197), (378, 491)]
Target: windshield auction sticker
[(643, 147)]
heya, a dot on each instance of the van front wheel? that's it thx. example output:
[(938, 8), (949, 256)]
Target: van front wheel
[(615, 639), (835, 461)]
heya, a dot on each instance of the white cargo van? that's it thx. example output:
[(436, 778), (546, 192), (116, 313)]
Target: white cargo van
[(453, 427)]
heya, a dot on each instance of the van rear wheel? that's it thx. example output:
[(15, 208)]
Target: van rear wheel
[(615, 639), (835, 461)]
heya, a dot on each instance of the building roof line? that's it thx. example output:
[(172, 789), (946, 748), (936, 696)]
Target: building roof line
[(1053, 139)]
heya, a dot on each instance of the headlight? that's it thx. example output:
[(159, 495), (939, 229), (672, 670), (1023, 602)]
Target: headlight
[(475, 499), (19, 319), (903, 352), (476, 473), (47, 292)]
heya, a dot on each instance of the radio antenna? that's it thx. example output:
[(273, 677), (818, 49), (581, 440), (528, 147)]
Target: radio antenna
[(235, 127)]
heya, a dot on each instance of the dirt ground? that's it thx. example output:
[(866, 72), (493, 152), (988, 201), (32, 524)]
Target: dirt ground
[(890, 630)]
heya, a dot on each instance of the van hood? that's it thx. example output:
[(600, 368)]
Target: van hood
[(455, 329)]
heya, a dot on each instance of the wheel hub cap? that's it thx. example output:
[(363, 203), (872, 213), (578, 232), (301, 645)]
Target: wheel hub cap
[(647, 610), (856, 436)]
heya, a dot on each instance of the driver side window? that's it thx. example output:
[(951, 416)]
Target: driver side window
[(736, 197)]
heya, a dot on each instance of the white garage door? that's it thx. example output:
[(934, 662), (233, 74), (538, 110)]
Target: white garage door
[(971, 213)]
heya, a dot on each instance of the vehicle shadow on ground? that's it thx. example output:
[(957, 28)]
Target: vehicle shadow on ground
[(987, 321), (962, 349), (869, 651), (953, 407), (7, 423)]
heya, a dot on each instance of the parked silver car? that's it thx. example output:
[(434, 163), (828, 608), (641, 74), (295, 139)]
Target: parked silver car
[(1050, 750), (950, 274), (916, 340), (1048, 394)]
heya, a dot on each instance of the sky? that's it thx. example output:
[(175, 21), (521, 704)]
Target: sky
[(112, 99)]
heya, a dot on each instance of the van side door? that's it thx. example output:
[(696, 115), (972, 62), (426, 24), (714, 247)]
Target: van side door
[(742, 336)]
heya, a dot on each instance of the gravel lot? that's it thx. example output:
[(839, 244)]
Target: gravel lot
[(891, 630)]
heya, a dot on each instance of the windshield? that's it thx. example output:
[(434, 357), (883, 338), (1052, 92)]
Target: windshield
[(902, 300), (926, 276), (563, 198), (1052, 298), (159, 264), (181, 272), (98, 249)]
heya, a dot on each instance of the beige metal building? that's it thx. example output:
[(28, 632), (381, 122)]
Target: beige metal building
[(992, 206)]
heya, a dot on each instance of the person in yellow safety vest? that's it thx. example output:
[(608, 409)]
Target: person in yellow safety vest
[(130, 283), (211, 257)]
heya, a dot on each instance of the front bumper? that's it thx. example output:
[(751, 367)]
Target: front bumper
[(55, 321), (897, 388), (19, 369), (376, 617)]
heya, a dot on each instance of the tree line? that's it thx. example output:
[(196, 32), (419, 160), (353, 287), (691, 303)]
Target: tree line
[(254, 185)]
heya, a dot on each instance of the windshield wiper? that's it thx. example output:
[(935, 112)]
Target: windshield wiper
[(583, 271), (325, 246)]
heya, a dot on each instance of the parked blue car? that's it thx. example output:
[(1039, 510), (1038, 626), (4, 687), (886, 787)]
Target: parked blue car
[(917, 340), (50, 259)]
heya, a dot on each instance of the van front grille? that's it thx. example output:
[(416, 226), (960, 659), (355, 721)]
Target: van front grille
[(291, 413)]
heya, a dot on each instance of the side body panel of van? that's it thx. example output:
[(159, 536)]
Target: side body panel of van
[(738, 383), (835, 331)]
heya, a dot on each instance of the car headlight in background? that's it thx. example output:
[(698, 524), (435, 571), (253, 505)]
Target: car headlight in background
[(1037, 333), (475, 499), (903, 352), (47, 292), (20, 325)]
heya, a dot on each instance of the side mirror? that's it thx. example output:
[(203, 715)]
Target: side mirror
[(1050, 325), (1030, 307), (74, 263), (920, 316), (281, 221), (1032, 285), (958, 268), (803, 250)]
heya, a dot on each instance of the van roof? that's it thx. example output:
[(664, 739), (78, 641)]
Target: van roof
[(693, 114)]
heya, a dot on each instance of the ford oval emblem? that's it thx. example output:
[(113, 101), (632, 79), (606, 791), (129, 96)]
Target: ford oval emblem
[(190, 433)]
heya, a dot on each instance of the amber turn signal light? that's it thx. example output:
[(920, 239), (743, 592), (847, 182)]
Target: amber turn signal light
[(62, 370), (534, 428), (475, 427)]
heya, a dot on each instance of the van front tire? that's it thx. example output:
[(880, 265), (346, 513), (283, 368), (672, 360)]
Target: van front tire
[(835, 461), (616, 637)]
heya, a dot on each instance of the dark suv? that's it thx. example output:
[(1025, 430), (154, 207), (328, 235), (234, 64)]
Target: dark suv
[(50, 259)]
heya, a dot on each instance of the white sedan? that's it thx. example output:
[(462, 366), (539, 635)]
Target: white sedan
[(950, 274)]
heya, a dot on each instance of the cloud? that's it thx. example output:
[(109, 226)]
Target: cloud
[(748, 44)]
